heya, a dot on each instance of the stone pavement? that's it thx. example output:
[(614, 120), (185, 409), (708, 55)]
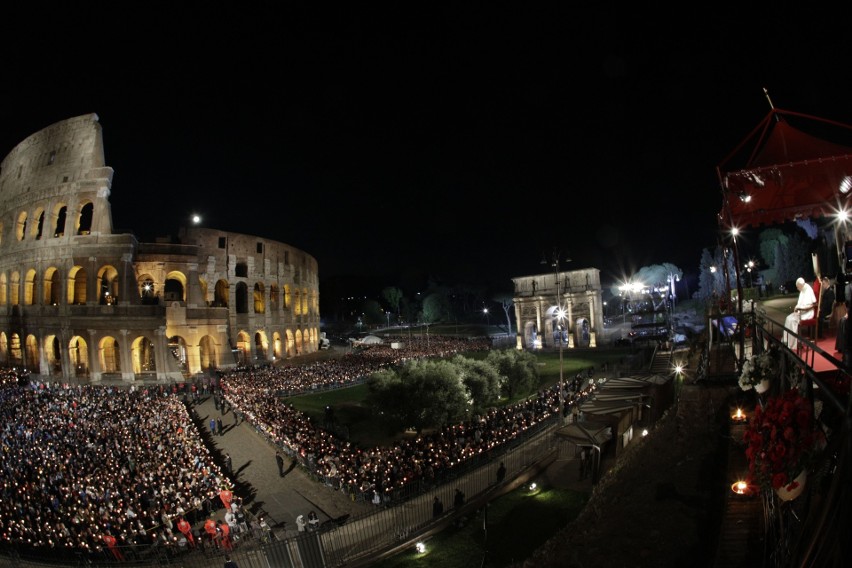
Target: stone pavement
[(257, 482)]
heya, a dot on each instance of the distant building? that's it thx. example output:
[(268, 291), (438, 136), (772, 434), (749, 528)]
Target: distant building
[(537, 309), (78, 301)]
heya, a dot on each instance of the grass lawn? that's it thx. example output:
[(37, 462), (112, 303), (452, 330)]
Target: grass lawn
[(507, 530)]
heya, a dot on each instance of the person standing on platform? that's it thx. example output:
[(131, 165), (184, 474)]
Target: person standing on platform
[(280, 460), (458, 500), (804, 310), (437, 508), (826, 305), (213, 426)]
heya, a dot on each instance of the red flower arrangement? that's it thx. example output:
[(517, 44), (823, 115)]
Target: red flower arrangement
[(780, 441)]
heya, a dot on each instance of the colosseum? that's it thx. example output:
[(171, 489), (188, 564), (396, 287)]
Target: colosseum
[(81, 303)]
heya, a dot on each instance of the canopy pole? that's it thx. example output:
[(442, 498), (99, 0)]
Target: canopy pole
[(766, 92)]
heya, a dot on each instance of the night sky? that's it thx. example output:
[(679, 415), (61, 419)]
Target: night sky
[(459, 143)]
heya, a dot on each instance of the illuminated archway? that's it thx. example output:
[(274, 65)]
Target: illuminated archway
[(174, 289), (142, 355), (76, 286), (299, 342), (52, 292), (259, 300), (33, 355), (53, 354), (243, 347), (276, 345), (177, 348), (220, 298), (147, 289), (107, 283), (291, 343), (109, 354), (207, 353), (261, 345), (78, 353), (16, 355), (4, 348)]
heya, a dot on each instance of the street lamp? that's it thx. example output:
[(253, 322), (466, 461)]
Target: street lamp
[(560, 317), (388, 315), (487, 317)]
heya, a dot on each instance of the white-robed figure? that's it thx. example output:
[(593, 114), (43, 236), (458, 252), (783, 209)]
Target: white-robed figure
[(803, 310)]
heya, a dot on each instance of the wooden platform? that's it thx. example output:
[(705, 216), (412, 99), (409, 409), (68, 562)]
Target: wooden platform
[(742, 534)]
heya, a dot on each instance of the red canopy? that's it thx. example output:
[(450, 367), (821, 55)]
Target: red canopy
[(788, 174)]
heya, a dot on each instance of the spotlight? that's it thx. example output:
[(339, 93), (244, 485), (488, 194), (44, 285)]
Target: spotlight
[(745, 197), (420, 547)]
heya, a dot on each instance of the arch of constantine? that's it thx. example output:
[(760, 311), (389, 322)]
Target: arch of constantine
[(78, 301), (541, 322)]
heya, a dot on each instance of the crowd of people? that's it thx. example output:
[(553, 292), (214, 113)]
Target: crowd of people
[(93, 468), (89, 466), (374, 474)]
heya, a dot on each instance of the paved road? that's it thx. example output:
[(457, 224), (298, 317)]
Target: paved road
[(257, 480)]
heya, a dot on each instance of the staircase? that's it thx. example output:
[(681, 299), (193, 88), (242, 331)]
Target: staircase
[(661, 362)]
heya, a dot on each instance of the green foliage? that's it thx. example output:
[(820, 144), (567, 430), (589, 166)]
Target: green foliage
[(481, 381), (424, 393), (392, 296), (436, 307), (387, 394), (518, 370)]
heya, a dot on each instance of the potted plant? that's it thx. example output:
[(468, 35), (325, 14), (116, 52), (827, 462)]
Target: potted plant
[(757, 371), (781, 441)]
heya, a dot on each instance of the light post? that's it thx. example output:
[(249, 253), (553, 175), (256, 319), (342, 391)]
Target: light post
[(559, 319), (388, 315), (487, 317)]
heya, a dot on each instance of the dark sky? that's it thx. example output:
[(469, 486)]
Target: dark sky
[(462, 143)]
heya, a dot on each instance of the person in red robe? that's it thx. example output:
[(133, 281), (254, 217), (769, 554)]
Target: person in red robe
[(210, 529), (226, 496), (225, 532), (184, 527), (111, 544)]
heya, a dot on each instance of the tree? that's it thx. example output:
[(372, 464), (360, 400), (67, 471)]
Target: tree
[(386, 393), (436, 307), (423, 393), (518, 370), (393, 296), (481, 380), (506, 302)]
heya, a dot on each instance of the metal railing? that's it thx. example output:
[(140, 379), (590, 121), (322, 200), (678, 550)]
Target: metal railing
[(814, 529)]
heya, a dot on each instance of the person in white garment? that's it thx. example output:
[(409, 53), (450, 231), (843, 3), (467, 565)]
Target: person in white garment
[(803, 310)]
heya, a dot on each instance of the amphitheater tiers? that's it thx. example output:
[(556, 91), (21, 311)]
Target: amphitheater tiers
[(80, 303)]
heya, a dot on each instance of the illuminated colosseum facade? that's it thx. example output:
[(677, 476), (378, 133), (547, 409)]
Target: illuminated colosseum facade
[(79, 302)]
